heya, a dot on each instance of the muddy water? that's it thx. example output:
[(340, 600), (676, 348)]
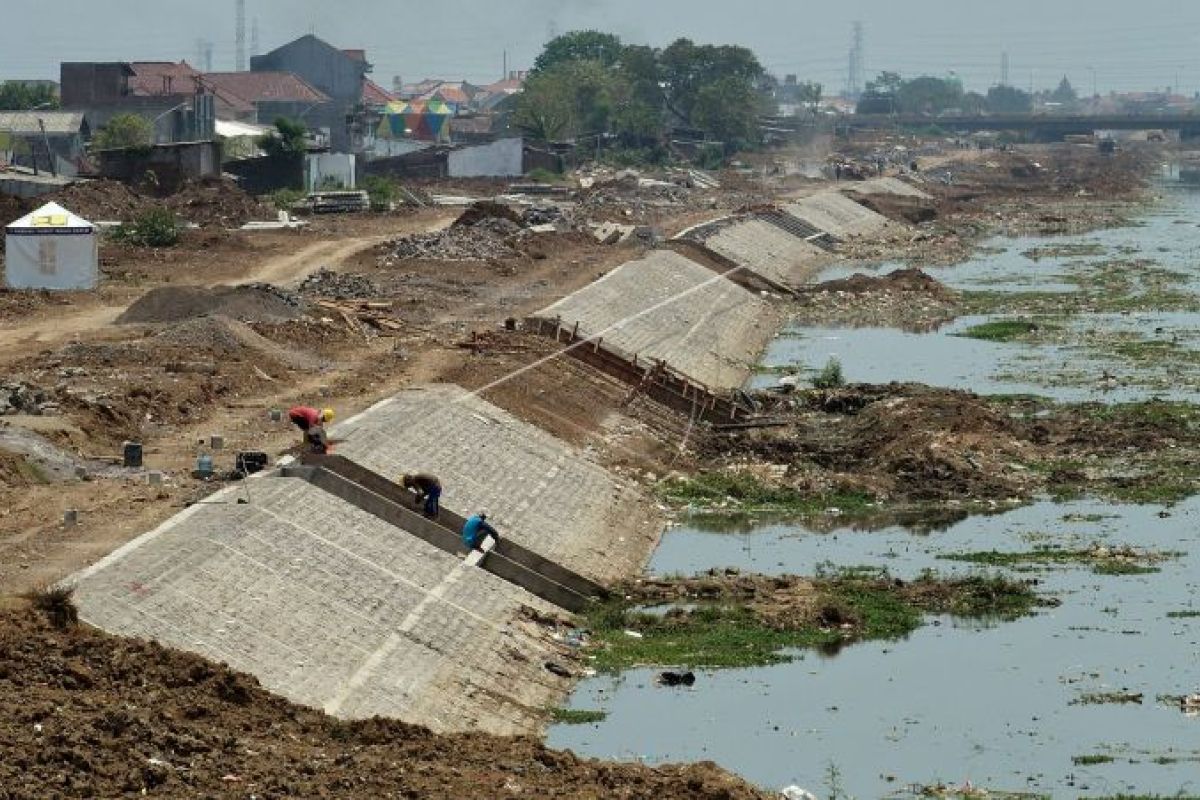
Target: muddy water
[(998, 705), (1068, 371), (954, 702), (1076, 365), (1168, 234)]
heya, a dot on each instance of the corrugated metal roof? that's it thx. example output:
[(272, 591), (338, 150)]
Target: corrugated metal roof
[(56, 122)]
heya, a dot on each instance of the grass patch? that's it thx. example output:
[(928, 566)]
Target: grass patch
[(1004, 330), (1103, 560), (577, 716), (1088, 760), (742, 491), (752, 621)]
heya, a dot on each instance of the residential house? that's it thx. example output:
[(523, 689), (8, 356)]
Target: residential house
[(272, 95), (167, 94), (338, 74)]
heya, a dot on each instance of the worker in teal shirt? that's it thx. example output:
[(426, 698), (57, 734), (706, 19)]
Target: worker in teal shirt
[(475, 528)]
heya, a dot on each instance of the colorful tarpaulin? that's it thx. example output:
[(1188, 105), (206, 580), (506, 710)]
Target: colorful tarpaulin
[(427, 120)]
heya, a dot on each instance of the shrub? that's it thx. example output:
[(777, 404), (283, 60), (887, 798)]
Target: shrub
[(543, 175), (382, 192), (153, 228), (286, 199), (831, 376), (57, 603)]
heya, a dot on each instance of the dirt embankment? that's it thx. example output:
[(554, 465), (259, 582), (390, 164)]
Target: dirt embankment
[(905, 298), (915, 443), (84, 714)]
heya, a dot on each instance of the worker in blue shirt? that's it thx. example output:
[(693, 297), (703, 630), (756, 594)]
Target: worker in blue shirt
[(475, 529)]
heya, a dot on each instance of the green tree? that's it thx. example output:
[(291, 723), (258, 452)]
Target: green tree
[(604, 48), (288, 140), (1008, 100), (571, 99), (727, 109), (686, 69), (929, 95), (886, 83), (124, 131), (1065, 93), (810, 92), (17, 96)]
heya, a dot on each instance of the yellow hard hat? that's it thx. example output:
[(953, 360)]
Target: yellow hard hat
[(327, 415)]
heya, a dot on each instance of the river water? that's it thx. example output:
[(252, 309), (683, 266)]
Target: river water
[(1000, 705)]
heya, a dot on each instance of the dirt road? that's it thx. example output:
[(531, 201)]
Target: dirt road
[(57, 326)]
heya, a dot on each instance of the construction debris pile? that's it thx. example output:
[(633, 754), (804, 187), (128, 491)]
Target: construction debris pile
[(339, 285), (23, 398)]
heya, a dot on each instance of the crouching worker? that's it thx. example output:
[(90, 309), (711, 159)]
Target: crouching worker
[(311, 423), (475, 530), (429, 489)]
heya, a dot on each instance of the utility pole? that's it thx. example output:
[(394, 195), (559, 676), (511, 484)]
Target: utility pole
[(504, 74), (240, 57), (1004, 68), (254, 49)]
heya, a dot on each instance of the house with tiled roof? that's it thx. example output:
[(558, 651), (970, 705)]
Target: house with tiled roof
[(336, 73)]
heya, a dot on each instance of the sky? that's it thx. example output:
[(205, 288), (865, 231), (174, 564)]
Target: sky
[(1116, 45)]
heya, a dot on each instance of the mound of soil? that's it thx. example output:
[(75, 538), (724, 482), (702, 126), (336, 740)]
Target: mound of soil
[(901, 280), (251, 302), (217, 202), (84, 714), (914, 210), (12, 208), (486, 209), (102, 200)]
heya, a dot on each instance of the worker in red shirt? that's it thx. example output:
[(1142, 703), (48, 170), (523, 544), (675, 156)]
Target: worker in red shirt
[(311, 423)]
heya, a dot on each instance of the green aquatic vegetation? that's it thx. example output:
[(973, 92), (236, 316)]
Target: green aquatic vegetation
[(1103, 560), (577, 716), (1005, 330), (1188, 614), (1089, 760), (722, 627), (1108, 698)]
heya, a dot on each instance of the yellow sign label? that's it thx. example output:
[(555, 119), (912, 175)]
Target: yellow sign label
[(50, 221)]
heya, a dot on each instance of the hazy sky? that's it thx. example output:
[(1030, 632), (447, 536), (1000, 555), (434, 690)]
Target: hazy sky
[(1131, 44)]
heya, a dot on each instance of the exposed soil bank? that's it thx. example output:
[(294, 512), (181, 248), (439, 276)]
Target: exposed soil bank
[(84, 714), (914, 443)]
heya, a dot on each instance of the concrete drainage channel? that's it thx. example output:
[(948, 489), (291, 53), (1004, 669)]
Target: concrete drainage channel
[(376, 495)]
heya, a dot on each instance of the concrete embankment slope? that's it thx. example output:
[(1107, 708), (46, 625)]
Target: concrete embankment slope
[(666, 306), (839, 215), (537, 490), (333, 607), (330, 607), (762, 248)]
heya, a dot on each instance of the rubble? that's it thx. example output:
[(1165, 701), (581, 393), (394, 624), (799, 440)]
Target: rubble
[(485, 240), (24, 398), (341, 285)]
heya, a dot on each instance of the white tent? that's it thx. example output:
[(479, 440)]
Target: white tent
[(51, 249)]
